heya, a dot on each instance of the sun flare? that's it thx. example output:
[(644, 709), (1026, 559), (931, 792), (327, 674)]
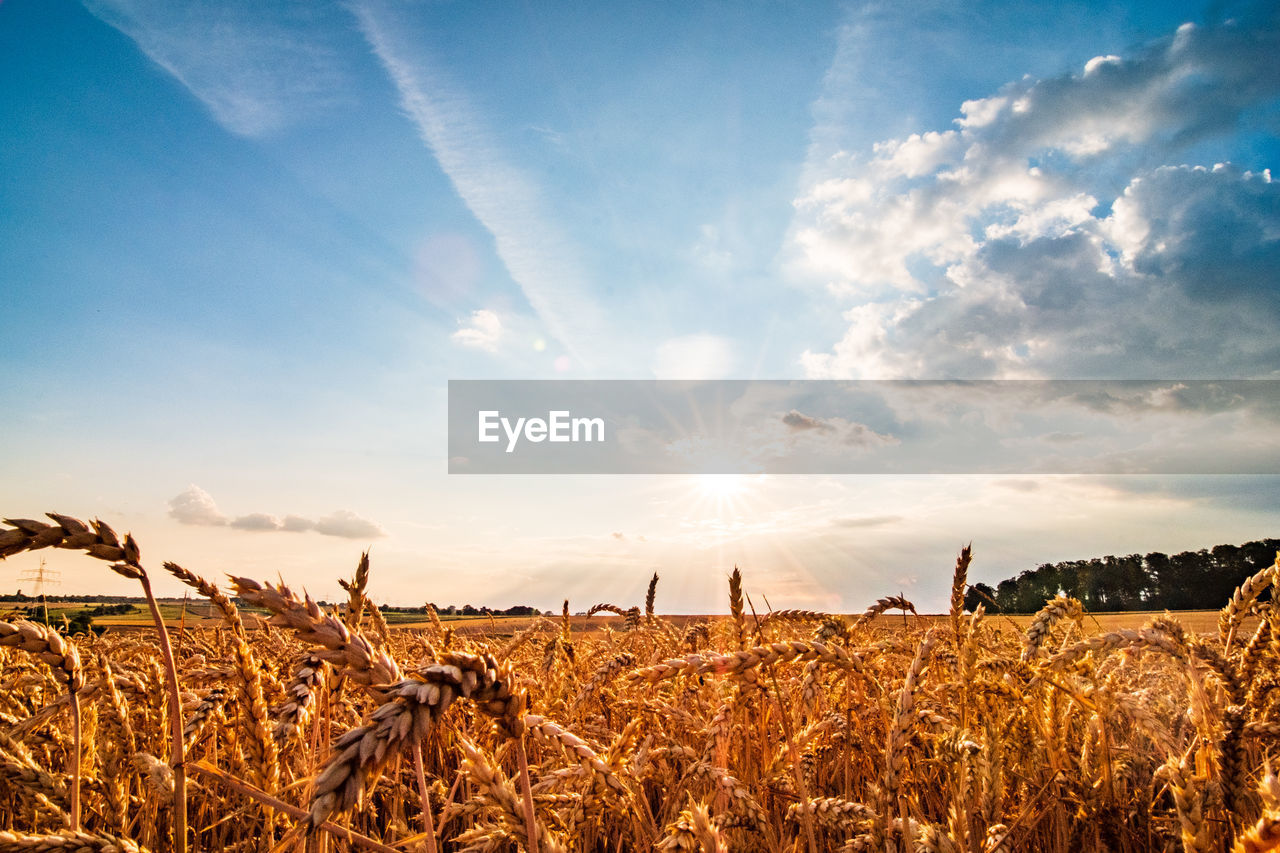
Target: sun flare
[(721, 487)]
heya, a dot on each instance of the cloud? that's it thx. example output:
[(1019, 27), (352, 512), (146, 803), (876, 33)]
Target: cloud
[(259, 521), (484, 331), (700, 356), (1212, 232), (297, 524), (861, 435), (800, 422), (1170, 397), (849, 432), (195, 506), (348, 525), (256, 68), (1052, 231), (535, 251)]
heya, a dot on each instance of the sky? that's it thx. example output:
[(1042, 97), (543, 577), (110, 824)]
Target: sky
[(245, 245)]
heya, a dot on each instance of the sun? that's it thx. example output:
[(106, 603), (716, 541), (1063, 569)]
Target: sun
[(721, 487), (718, 502)]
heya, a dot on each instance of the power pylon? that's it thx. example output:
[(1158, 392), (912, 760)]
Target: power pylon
[(42, 576)]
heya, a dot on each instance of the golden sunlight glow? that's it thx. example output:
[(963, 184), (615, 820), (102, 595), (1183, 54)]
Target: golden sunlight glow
[(721, 487)]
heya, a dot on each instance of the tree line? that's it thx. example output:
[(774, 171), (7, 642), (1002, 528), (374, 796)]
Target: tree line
[(20, 596), (1191, 580), (109, 604)]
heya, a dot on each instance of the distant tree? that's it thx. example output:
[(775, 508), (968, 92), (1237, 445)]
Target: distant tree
[(980, 594), (1191, 580), (1159, 570), (1033, 588), (1007, 595), (1185, 575), (1122, 583)]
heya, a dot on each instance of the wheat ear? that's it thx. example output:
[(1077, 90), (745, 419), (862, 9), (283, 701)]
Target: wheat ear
[(63, 658), (66, 842), (339, 645), (415, 705)]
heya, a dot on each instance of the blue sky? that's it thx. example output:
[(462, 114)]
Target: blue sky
[(246, 244)]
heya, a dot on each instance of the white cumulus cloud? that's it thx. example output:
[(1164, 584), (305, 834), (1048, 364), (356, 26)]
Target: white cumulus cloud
[(195, 506), (1055, 232), (483, 331), (259, 521), (348, 525)]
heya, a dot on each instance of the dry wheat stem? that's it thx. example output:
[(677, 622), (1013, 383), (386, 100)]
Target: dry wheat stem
[(204, 769), (415, 704), (339, 645), (63, 658), (66, 842)]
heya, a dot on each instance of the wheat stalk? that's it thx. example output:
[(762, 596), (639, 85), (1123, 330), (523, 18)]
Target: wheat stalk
[(66, 842), (98, 540), (891, 602), (338, 644), (1059, 609), (414, 706), (63, 659)]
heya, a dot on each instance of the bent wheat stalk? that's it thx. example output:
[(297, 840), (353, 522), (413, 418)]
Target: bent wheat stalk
[(414, 707), (360, 660)]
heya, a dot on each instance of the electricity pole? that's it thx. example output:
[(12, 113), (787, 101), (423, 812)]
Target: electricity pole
[(42, 577)]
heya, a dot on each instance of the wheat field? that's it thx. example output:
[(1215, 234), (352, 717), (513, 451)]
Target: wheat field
[(785, 731)]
